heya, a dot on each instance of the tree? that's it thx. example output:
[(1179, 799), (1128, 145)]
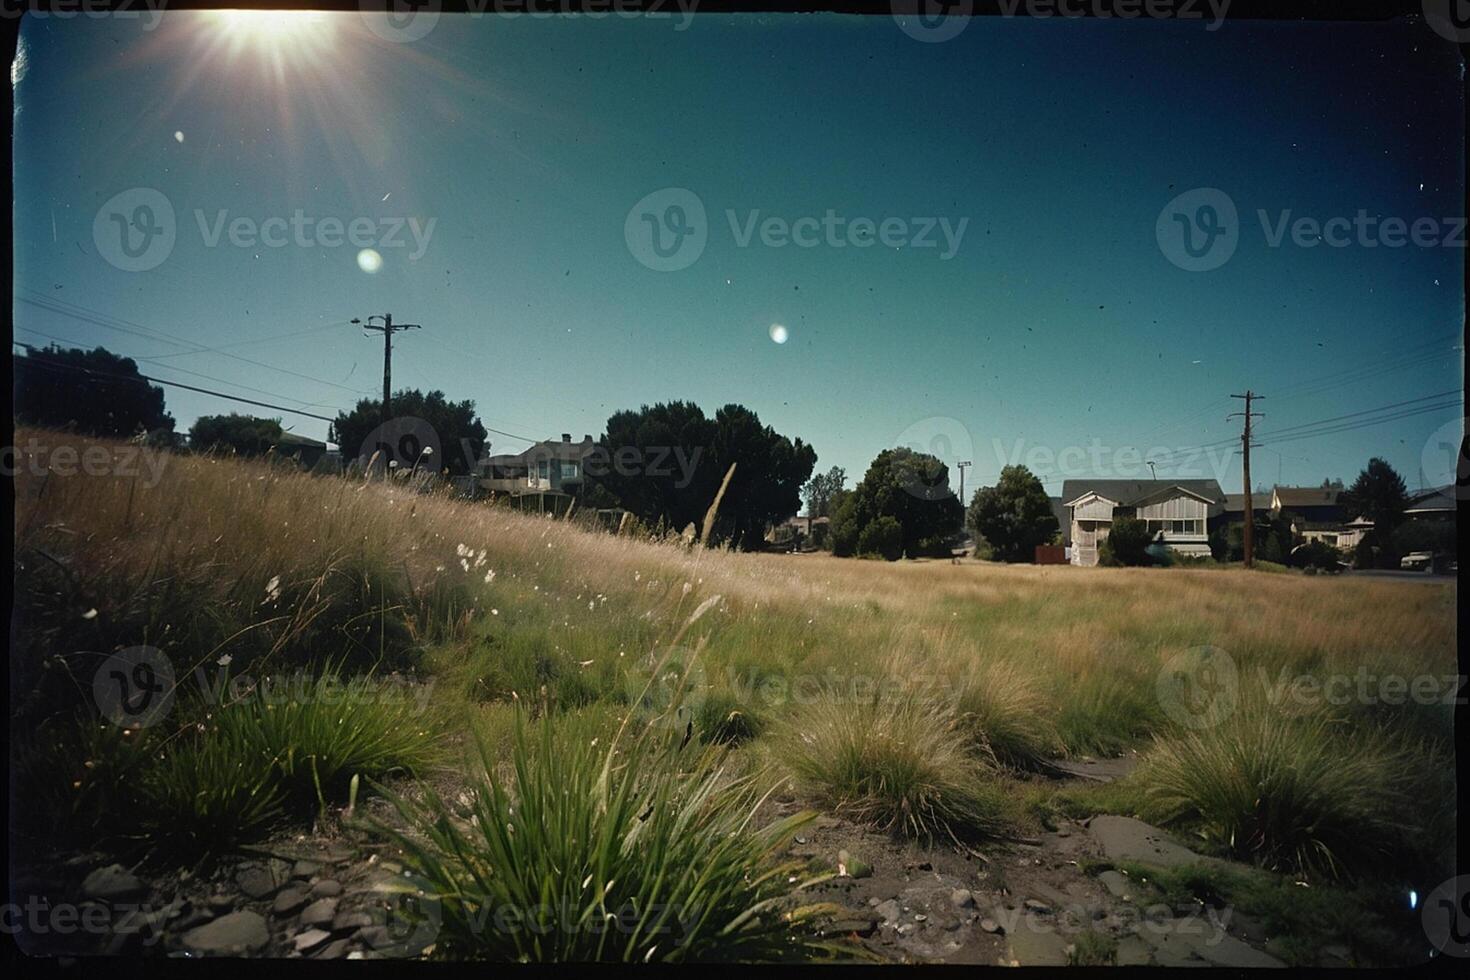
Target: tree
[(882, 539), (665, 463), (1014, 516), (94, 392), (913, 489), (420, 420), (244, 435), (1379, 495), (820, 489), (1128, 540)]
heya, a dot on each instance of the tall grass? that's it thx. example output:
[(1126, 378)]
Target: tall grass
[(281, 570), (898, 762), (641, 849), (1298, 793)]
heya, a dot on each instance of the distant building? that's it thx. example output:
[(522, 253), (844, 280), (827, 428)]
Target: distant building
[(550, 471), (309, 453), (1317, 514), (1175, 511), (1432, 505)]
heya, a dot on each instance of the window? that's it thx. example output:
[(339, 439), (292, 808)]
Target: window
[(568, 471), (544, 469)]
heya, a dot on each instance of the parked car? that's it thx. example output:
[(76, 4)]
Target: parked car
[(1417, 561)]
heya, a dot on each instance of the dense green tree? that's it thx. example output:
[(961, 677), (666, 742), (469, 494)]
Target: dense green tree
[(820, 489), (1014, 516), (913, 489), (882, 538), (665, 463), (92, 391), (419, 421), (244, 435), (1379, 495)]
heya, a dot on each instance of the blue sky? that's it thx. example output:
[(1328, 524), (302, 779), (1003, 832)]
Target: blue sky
[(1059, 322)]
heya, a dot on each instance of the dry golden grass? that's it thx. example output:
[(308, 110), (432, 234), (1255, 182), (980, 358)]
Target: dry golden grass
[(513, 606)]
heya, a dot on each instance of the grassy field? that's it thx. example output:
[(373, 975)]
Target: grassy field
[(920, 697)]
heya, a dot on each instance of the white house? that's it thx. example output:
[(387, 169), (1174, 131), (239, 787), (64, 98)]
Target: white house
[(1176, 512)]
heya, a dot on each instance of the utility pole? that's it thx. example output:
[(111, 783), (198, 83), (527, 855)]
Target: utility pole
[(387, 328), (961, 467), (1245, 445), (1151, 474)]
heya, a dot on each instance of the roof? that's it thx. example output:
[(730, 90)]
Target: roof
[(1426, 501), (292, 439), (1308, 496), (548, 449), (1129, 492)]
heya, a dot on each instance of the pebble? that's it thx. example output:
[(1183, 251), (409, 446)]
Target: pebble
[(310, 939), (326, 888), (289, 901), (233, 934), (320, 912), (962, 898), (112, 883)]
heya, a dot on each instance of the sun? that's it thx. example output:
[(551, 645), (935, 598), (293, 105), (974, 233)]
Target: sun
[(275, 31)]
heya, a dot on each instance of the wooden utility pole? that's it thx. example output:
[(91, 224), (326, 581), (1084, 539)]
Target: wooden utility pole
[(1245, 445), (387, 329)]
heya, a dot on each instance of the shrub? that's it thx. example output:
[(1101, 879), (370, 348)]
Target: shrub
[(1001, 709), (640, 850), (1293, 793), (1128, 540), (900, 763), (1316, 555), (882, 538)]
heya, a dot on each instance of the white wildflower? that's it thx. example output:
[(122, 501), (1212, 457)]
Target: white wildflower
[(224, 660), (273, 589)]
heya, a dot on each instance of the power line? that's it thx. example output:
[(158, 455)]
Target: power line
[(42, 362), (206, 377), (103, 320)]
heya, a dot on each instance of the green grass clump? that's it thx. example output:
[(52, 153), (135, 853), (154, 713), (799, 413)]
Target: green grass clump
[(1002, 709), (1092, 948), (1297, 793), (209, 791), (636, 849), (897, 762), (1108, 710), (324, 730)]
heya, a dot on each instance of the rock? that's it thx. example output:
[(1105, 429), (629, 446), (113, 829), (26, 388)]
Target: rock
[(862, 926), (1034, 947), (232, 935), (889, 910), (220, 901), (1040, 908), (1127, 839), (332, 951), (319, 913), (347, 921), (289, 901), (1132, 951), (112, 884), (907, 929), (310, 939), (257, 883), (1117, 883), (326, 888), (991, 926), (305, 869), (962, 898)]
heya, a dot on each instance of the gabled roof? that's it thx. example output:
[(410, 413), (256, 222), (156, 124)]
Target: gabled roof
[(1308, 496), (1129, 493)]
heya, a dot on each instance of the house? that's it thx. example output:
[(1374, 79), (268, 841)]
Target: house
[(307, 452), (1432, 505), (548, 469), (1317, 514), (796, 531), (1176, 511), (1231, 510)]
